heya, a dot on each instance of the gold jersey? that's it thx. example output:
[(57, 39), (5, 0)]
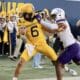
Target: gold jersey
[(34, 32)]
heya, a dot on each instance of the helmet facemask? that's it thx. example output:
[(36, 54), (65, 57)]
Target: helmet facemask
[(53, 16), (60, 13), (28, 16), (28, 11)]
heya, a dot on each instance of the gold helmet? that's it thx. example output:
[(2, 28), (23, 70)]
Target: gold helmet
[(28, 11), (27, 8)]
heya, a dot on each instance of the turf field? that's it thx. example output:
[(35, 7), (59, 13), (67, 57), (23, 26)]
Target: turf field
[(7, 68)]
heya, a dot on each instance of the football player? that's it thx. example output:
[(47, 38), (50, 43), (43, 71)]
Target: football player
[(72, 48), (36, 41)]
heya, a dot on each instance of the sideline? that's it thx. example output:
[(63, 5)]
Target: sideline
[(66, 78)]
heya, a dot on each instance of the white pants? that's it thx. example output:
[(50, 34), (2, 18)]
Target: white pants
[(18, 46)]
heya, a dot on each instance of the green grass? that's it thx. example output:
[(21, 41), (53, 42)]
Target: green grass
[(7, 68)]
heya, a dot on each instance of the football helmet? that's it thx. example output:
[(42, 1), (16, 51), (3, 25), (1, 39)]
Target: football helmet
[(58, 13), (28, 11)]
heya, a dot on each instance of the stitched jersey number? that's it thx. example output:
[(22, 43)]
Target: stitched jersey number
[(34, 31)]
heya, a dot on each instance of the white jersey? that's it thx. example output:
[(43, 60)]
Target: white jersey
[(66, 36), (11, 25), (15, 25)]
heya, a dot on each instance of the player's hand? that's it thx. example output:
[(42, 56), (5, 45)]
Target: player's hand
[(38, 17), (62, 27)]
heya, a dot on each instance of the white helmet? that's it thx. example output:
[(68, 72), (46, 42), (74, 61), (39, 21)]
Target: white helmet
[(60, 13)]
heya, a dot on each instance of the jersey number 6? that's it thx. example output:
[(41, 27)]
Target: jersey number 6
[(34, 31)]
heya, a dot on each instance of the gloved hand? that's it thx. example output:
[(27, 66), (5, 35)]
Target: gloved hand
[(38, 17)]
